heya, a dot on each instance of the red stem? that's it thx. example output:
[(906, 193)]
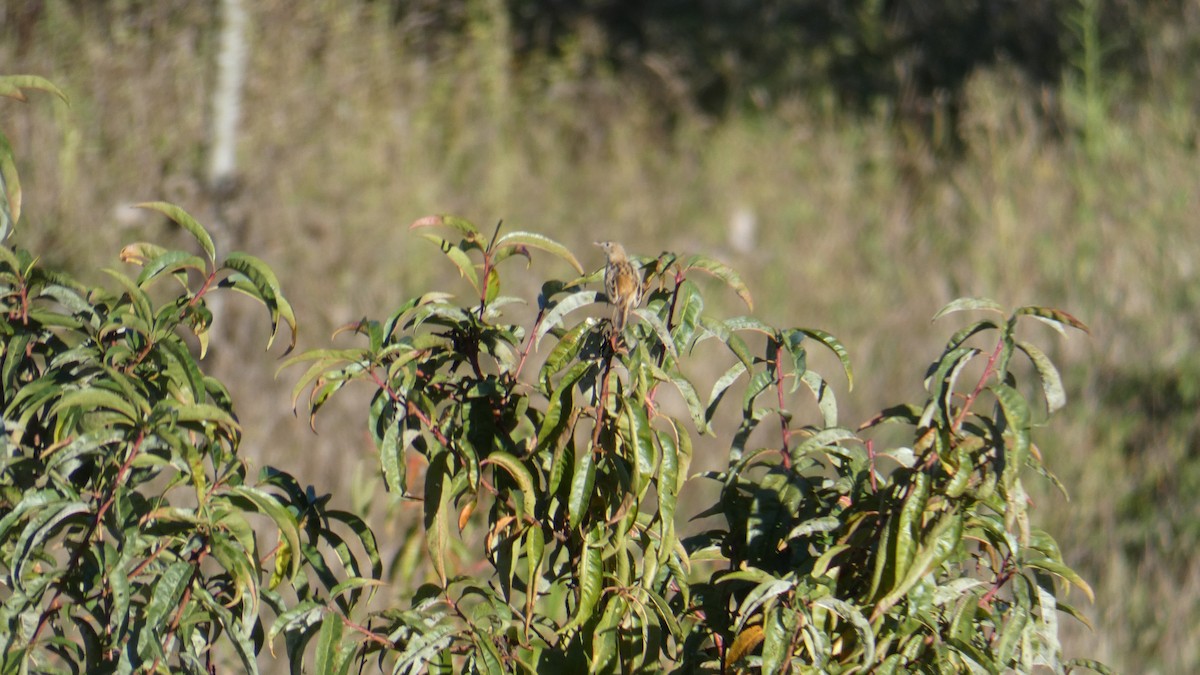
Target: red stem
[(529, 344), (987, 372)]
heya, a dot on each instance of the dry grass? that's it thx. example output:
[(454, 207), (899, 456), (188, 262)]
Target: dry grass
[(838, 223)]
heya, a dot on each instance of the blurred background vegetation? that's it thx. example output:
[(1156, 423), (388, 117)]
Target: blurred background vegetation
[(861, 162)]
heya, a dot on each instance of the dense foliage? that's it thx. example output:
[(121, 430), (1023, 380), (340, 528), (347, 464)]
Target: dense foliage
[(835, 555), (129, 530), (131, 535)]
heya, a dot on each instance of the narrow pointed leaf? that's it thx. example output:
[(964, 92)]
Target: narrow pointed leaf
[(539, 242), (722, 272), (967, 304), (187, 222)]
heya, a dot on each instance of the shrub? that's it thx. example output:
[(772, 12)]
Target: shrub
[(129, 530), (836, 556)]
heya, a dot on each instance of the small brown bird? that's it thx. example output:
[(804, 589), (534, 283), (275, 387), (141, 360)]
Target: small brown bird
[(622, 282)]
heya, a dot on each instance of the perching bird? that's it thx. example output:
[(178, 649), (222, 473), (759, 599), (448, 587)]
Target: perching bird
[(622, 282)]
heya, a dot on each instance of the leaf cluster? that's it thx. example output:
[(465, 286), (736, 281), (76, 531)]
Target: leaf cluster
[(131, 536), (835, 556), (130, 529)]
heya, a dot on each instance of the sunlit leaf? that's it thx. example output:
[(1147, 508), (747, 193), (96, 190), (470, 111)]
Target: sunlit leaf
[(1061, 570), (837, 348), (562, 308), (1054, 318), (464, 227), (466, 267), (1052, 386), (187, 222), (520, 474), (541, 242), (969, 304), (746, 642), (11, 86), (582, 483), (722, 272), (265, 288)]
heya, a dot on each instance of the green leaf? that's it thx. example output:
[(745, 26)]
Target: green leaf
[(204, 412), (188, 223), (268, 504), (856, 618), (739, 323), (37, 531), (660, 330), (1016, 413), (539, 242), (1065, 572), (1056, 319), (164, 599), (968, 304), (169, 263), (565, 350), (10, 189), (137, 297), (963, 334), (720, 387), (641, 439), (722, 272), (826, 401), (88, 400), (425, 647), (491, 285), (520, 474), (265, 288), (558, 412), (11, 86), (837, 348), (778, 627), (300, 618), (328, 656), (1010, 634), (1096, 666), (606, 636), (909, 524), (689, 395), (724, 332), (822, 524), (941, 383), (464, 227), (583, 482), (562, 308), (466, 267), (438, 499), (689, 308), (943, 540), (1052, 386), (590, 576), (665, 613), (237, 631)]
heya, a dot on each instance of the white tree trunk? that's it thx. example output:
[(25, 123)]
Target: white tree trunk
[(227, 97)]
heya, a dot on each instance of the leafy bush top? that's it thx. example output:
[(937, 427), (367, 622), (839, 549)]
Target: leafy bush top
[(129, 528)]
